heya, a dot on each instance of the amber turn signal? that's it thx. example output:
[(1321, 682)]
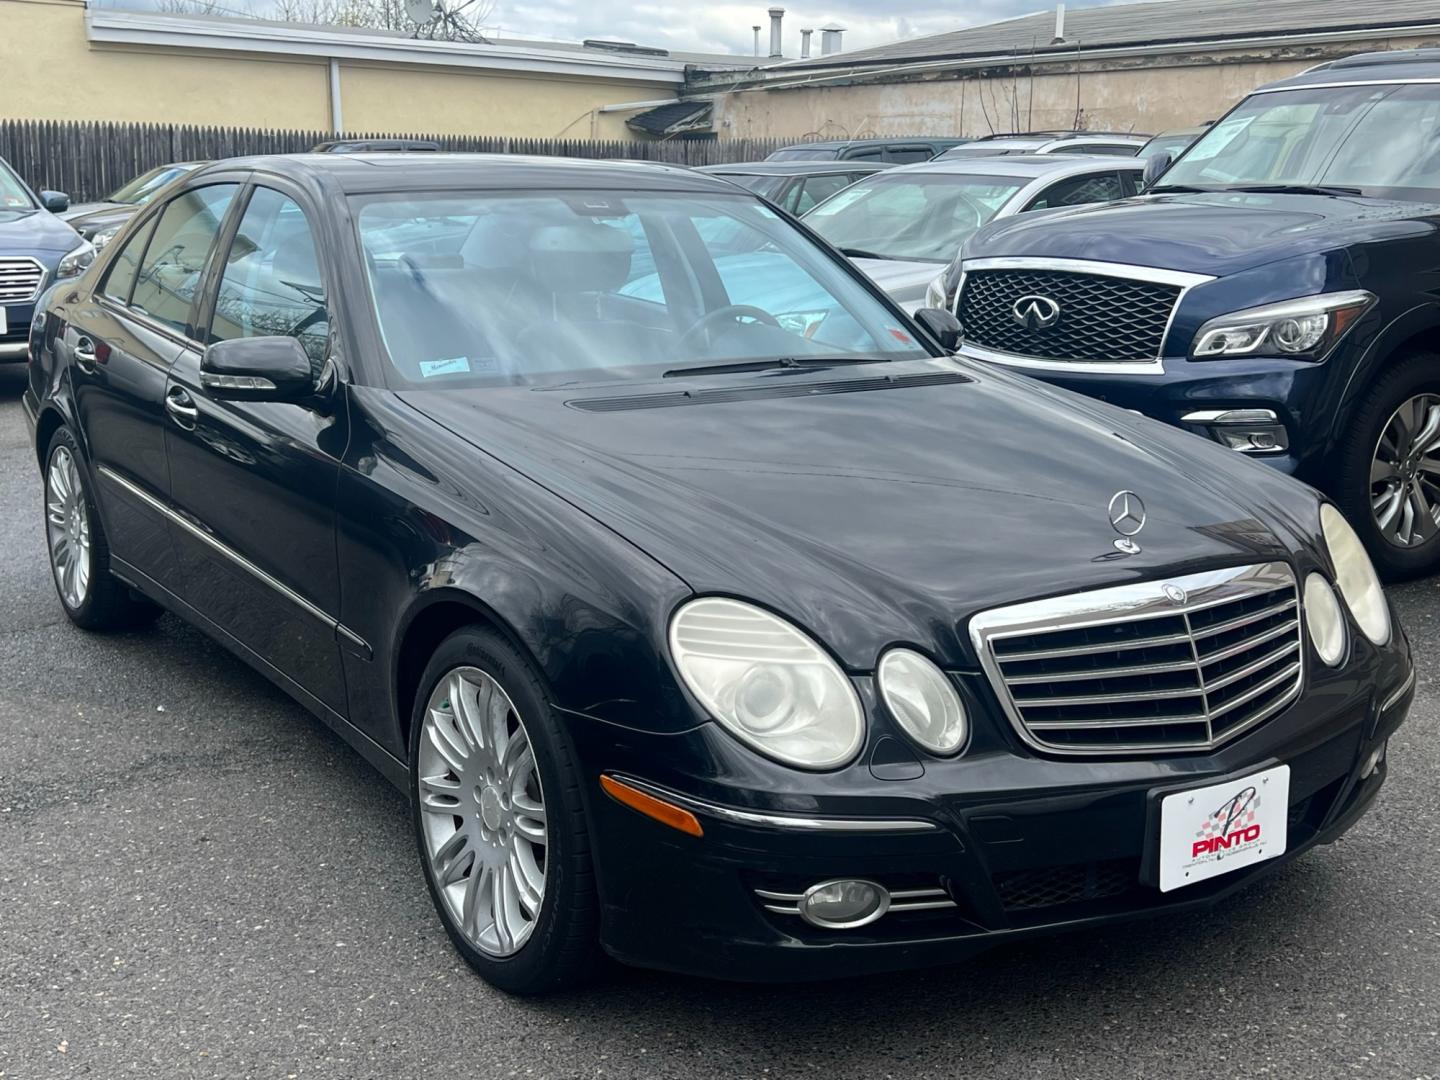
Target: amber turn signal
[(662, 811)]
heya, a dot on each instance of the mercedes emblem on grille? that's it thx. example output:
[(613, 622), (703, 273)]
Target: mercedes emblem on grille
[(1174, 593), (1035, 312), (1127, 517)]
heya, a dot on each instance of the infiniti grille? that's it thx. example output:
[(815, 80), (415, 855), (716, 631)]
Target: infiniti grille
[(1102, 319), (20, 280), (1130, 670)]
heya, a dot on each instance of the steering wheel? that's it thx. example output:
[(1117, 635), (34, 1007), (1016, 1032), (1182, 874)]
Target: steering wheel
[(704, 326)]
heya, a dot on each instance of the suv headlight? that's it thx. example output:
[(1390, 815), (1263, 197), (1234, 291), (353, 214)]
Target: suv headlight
[(103, 235), (1304, 328), (767, 683), (77, 261), (1355, 576), (935, 291)]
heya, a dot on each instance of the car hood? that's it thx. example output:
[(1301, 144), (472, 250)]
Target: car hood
[(1216, 234), (887, 502), (25, 231), (904, 281), (102, 216), (79, 210)]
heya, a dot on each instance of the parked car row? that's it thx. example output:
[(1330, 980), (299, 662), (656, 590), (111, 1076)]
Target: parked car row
[(712, 612)]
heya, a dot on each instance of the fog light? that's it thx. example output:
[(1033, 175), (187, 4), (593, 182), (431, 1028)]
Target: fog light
[(1250, 431), (1373, 761), (844, 904)]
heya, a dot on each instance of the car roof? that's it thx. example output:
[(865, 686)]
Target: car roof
[(1394, 65), (791, 168), (429, 171), (838, 144), (1023, 166)]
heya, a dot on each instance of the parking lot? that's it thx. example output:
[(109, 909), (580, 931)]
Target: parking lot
[(198, 879)]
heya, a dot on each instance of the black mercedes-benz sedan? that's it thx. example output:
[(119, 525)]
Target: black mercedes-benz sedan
[(760, 640)]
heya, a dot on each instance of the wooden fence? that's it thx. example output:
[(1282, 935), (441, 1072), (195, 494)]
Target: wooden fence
[(89, 160)]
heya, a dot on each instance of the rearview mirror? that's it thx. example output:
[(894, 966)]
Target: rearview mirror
[(940, 325), (257, 369), (55, 201), (1155, 164)]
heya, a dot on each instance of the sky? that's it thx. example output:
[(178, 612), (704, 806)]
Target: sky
[(725, 27)]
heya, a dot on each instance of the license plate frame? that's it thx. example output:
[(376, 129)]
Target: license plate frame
[(1209, 830)]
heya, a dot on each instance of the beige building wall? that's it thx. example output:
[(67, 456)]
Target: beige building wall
[(1150, 96), (50, 71)]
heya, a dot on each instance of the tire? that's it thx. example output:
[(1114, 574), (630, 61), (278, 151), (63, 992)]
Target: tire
[(93, 598), (547, 946), (1411, 378)]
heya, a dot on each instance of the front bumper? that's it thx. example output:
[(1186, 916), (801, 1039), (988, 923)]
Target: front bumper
[(1023, 845), (1296, 393)]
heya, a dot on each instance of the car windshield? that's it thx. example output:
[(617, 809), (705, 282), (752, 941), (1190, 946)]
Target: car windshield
[(917, 216), (13, 195), (502, 288), (761, 185), (1383, 140), (143, 188), (801, 154), (1166, 144)]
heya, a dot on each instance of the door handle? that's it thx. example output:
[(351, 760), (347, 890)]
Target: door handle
[(181, 407), (85, 355)]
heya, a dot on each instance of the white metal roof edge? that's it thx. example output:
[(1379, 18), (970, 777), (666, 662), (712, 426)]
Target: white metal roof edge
[(196, 32)]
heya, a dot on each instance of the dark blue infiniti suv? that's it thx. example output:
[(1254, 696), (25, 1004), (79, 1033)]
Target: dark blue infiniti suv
[(1277, 289)]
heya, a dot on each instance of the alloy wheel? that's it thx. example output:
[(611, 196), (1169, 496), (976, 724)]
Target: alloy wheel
[(483, 819), (1405, 473), (67, 527)]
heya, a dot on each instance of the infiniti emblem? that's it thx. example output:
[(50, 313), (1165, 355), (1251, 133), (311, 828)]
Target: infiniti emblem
[(1174, 593), (1035, 312), (1127, 517)]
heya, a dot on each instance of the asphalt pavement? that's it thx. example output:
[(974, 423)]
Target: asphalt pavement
[(197, 879)]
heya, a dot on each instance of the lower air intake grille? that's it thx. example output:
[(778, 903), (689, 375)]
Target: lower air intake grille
[(1052, 886), (1158, 667)]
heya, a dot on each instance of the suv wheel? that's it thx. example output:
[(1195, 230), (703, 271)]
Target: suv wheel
[(498, 818), (1390, 468), (92, 597)]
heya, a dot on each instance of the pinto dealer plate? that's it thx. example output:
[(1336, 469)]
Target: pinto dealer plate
[(1209, 831)]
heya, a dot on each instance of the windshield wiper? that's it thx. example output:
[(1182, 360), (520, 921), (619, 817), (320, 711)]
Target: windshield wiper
[(777, 362), (1184, 189), (861, 253), (1295, 189)]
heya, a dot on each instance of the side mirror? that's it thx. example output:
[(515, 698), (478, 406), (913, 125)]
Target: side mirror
[(1155, 164), (257, 369), (940, 325), (55, 201)]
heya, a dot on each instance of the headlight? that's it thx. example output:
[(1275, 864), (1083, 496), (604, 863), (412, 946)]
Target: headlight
[(1323, 617), (768, 683), (923, 701), (1355, 576), (1304, 328), (77, 261), (935, 291), (102, 236)]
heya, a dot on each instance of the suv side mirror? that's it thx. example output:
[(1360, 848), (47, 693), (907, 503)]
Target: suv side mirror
[(257, 369), (54, 201), (940, 325), (1155, 164)]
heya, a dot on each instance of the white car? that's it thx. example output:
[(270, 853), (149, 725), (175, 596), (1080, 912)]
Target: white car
[(903, 226)]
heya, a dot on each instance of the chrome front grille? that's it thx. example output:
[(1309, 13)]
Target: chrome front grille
[(1108, 316), (20, 279), (1158, 667)]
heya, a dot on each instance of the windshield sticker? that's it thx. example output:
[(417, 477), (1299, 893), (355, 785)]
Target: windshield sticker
[(14, 200), (900, 335), (840, 201), (1219, 137), (456, 365)]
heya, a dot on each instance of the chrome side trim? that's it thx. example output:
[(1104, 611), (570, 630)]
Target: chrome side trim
[(1185, 281), (901, 900), (14, 350), (1130, 603), (1231, 416), (1335, 85), (777, 820), (1403, 689), (220, 548)]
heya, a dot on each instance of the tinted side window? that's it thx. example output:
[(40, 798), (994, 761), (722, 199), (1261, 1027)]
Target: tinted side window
[(868, 153), (818, 189), (1078, 190), (175, 259), (271, 285), (120, 278), (908, 155)]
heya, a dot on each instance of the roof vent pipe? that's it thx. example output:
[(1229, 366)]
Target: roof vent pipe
[(757, 39), (777, 14), (805, 44), (830, 39), (1059, 24)]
